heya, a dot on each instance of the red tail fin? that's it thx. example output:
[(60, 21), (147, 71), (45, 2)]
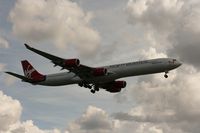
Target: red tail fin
[(31, 73)]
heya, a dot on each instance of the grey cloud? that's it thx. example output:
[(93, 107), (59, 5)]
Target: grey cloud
[(186, 39), (148, 12), (151, 118), (123, 116), (119, 122), (174, 102), (4, 43), (176, 21), (115, 126)]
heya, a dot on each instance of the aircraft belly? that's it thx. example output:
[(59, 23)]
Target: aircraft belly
[(102, 79)]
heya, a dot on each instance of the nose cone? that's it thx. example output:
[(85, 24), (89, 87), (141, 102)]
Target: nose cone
[(178, 63)]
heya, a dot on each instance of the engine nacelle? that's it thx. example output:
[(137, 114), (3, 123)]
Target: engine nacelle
[(114, 90), (99, 71), (116, 86), (71, 63), (119, 84)]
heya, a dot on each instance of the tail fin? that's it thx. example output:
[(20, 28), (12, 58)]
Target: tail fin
[(31, 73)]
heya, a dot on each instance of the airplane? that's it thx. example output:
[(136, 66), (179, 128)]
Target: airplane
[(94, 78)]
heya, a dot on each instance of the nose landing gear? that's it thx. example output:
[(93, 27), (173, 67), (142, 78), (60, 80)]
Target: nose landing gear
[(166, 76)]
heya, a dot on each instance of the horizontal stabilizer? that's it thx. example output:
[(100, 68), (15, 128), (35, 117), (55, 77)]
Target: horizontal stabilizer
[(20, 77)]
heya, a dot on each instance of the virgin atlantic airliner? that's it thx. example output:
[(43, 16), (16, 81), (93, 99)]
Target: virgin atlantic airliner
[(94, 78)]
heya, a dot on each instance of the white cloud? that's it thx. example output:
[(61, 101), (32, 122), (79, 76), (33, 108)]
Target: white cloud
[(29, 127), (151, 53), (62, 22), (94, 120), (10, 113)]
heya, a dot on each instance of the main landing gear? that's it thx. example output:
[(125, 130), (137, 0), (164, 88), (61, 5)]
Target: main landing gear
[(92, 91), (95, 87), (166, 76)]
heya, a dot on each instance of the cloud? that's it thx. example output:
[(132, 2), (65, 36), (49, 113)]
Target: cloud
[(62, 22), (160, 105), (10, 113), (152, 53), (173, 103), (171, 29), (93, 120), (147, 12), (97, 120), (176, 22), (2, 66), (9, 80), (4, 43)]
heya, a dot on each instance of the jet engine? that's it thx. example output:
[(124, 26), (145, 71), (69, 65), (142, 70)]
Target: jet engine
[(113, 90), (116, 86), (99, 71), (119, 84), (71, 63)]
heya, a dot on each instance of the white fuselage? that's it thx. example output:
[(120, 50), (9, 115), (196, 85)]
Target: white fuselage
[(115, 72)]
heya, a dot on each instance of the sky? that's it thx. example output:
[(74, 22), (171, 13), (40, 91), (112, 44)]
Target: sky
[(101, 33)]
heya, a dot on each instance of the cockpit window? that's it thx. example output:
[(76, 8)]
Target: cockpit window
[(172, 61)]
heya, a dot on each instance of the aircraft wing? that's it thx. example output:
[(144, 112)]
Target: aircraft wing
[(56, 60), (70, 64)]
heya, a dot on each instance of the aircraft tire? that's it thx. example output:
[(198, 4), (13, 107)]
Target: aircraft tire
[(93, 91)]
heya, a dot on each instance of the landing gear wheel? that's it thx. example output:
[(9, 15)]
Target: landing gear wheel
[(166, 72), (96, 88), (80, 84), (93, 91), (87, 86)]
